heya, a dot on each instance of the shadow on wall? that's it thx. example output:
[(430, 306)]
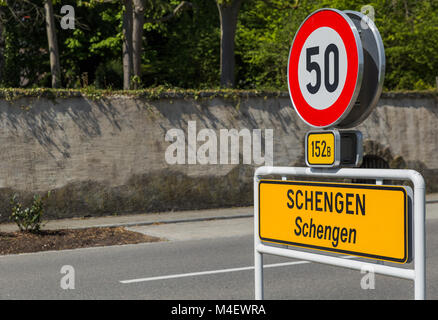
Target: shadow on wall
[(160, 191), (48, 123), (42, 120)]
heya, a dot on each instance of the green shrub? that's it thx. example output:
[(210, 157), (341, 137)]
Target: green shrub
[(28, 219)]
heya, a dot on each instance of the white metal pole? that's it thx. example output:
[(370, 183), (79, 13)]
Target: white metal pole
[(379, 182), (418, 274), (402, 273), (419, 236), (258, 269), (258, 256)]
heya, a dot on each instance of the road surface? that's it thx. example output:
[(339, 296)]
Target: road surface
[(201, 260)]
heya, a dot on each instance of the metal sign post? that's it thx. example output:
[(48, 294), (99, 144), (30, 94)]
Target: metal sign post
[(335, 74), (417, 274)]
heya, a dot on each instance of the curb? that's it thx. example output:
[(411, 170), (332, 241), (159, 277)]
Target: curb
[(135, 224)]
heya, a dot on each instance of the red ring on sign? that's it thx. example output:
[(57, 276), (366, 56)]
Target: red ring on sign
[(332, 114)]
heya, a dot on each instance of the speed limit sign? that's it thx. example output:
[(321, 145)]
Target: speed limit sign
[(326, 67)]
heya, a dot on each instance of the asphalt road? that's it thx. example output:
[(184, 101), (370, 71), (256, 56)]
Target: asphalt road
[(215, 263)]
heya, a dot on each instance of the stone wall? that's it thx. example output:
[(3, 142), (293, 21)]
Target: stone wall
[(107, 156)]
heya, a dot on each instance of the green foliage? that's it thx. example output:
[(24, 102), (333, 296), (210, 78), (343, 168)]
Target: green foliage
[(264, 35), (409, 31), (165, 92), (184, 51), (28, 219), (23, 63)]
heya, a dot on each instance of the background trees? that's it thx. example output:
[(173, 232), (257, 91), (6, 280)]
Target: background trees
[(194, 44)]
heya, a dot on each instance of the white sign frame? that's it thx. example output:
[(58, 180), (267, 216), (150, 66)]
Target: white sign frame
[(418, 274)]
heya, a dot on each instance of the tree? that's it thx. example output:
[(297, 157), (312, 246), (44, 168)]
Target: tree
[(137, 40), (133, 23), (131, 10), (2, 42), (127, 44), (55, 67), (228, 12)]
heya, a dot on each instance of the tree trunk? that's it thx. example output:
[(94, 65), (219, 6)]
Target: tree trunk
[(228, 12), (2, 46), (55, 68), (137, 38), (127, 45)]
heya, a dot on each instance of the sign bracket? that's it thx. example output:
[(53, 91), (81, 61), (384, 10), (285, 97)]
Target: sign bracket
[(333, 148)]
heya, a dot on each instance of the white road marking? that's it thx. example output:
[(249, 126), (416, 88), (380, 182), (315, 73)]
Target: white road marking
[(201, 273), (193, 274)]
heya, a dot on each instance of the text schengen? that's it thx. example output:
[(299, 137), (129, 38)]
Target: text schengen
[(304, 202)]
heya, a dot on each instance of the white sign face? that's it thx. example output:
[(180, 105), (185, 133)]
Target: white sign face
[(322, 68)]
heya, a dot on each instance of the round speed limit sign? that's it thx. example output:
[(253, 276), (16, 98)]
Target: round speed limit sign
[(325, 68)]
